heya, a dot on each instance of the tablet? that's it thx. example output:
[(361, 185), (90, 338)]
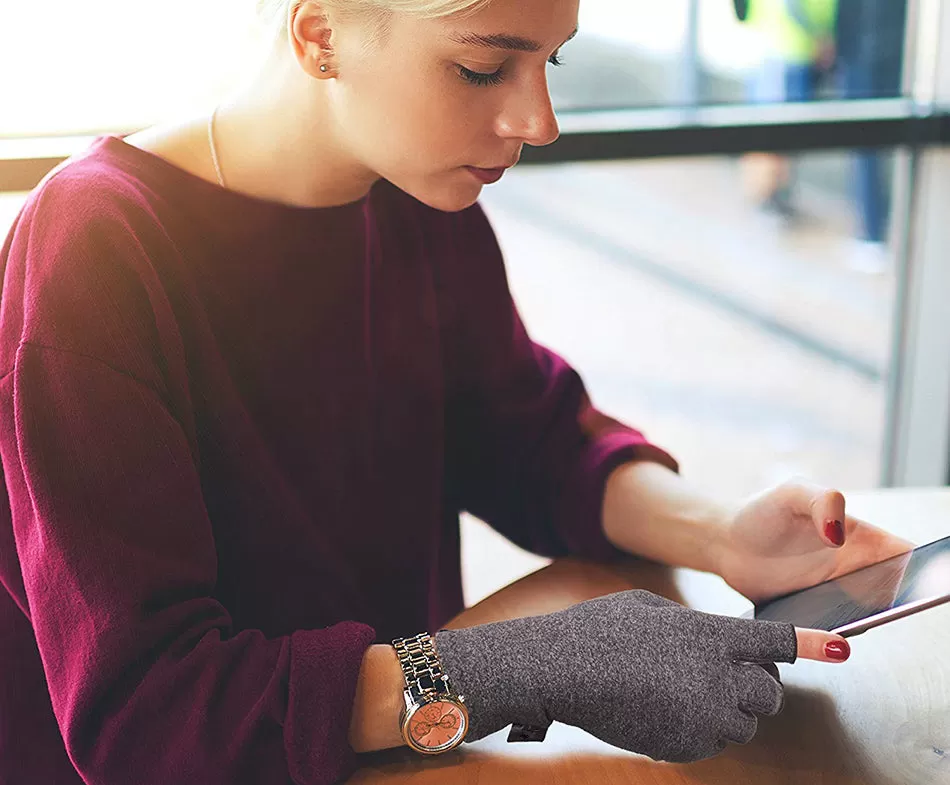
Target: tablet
[(850, 604)]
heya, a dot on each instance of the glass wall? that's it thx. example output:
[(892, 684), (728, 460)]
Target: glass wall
[(754, 345), (640, 53)]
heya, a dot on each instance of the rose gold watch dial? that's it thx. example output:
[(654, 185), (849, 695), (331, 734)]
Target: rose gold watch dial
[(436, 724)]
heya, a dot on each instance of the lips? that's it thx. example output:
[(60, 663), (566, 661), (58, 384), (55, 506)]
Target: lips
[(488, 176)]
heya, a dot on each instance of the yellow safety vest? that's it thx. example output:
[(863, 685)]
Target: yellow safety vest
[(788, 38)]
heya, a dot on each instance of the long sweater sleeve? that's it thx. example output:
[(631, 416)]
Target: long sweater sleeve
[(149, 680), (531, 453)]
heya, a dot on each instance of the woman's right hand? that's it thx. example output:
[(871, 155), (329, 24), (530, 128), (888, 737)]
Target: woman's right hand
[(634, 669)]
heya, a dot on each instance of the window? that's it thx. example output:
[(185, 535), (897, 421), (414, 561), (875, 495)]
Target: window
[(753, 346), (83, 67)]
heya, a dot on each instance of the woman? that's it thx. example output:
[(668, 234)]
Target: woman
[(256, 366)]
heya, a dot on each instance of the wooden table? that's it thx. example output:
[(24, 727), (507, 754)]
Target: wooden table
[(882, 718)]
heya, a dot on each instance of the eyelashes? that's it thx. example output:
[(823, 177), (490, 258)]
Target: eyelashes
[(479, 79), (495, 77)]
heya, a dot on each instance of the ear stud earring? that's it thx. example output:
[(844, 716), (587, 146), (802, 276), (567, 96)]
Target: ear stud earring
[(324, 68)]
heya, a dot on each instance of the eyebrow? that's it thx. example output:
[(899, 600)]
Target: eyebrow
[(513, 43)]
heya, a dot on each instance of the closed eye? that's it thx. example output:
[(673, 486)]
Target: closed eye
[(481, 79)]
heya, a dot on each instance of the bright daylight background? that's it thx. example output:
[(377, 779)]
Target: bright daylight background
[(72, 66)]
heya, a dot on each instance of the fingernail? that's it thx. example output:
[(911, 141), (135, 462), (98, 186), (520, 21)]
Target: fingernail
[(838, 651), (834, 531)]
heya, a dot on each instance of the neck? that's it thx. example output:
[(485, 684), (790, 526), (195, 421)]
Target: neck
[(276, 140)]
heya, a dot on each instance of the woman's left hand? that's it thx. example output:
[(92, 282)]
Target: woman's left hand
[(784, 539)]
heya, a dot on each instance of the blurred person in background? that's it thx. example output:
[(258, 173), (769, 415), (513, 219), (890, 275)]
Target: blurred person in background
[(869, 39), (798, 36)]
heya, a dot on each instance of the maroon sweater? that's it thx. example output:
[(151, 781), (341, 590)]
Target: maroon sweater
[(236, 439)]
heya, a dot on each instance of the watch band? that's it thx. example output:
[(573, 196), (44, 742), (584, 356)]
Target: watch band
[(421, 667), (424, 677)]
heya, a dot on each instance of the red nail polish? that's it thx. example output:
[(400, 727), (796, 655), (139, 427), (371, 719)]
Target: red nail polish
[(834, 531), (838, 651)]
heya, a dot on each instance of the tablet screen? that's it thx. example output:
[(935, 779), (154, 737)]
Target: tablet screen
[(921, 574)]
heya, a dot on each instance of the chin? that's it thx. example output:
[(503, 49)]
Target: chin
[(453, 203), (449, 196)]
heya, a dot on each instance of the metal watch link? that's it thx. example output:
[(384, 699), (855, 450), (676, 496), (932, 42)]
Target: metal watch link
[(435, 718)]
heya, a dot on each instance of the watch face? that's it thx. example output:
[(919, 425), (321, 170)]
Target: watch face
[(436, 725)]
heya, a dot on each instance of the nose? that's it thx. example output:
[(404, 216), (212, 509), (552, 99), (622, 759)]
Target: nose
[(528, 114)]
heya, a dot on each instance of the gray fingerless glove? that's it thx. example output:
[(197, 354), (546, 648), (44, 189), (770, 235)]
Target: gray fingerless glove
[(634, 669)]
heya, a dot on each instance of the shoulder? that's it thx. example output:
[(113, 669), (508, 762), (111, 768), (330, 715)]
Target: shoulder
[(89, 209), (79, 260), (91, 217), (90, 189)]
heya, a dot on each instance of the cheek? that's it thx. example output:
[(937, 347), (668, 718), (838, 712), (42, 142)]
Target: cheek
[(429, 115), (456, 123)]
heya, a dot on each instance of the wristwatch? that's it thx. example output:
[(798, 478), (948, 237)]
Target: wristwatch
[(435, 719)]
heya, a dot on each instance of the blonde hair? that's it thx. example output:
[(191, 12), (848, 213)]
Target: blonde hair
[(274, 11)]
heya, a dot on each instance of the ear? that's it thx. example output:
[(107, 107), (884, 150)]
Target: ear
[(310, 35)]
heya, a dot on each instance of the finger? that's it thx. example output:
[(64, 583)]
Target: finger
[(896, 546), (772, 669), (759, 691), (644, 597), (827, 509), (827, 513), (822, 646), (757, 640), (742, 728)]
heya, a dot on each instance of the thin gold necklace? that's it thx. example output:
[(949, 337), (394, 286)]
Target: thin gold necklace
[(214, 149)]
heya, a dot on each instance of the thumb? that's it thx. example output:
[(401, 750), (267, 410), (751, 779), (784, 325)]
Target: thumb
[(822, 646), (826, 507)]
